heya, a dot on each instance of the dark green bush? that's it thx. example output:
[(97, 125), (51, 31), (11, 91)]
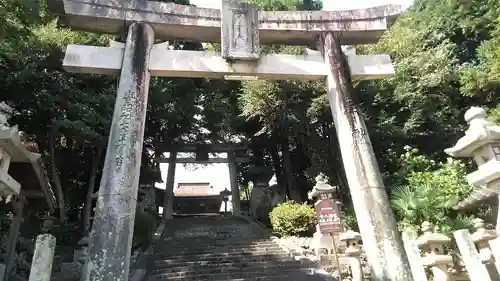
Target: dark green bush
[(144, 227), (292, 218)]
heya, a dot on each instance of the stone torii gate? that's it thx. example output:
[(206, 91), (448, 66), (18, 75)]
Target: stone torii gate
[(241, 29), (231, 160)]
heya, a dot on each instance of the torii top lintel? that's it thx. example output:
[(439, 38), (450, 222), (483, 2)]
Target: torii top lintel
[(181, 22)]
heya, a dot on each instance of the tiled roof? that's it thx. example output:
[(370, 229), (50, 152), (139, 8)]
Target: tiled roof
[(194, 190)]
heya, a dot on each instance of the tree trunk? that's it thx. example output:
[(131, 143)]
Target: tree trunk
[(274, 151), (55, 177), (87, 209), (293, 193)]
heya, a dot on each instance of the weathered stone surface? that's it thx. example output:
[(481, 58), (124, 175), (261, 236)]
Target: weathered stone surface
[(179, 22), (470, 256), (383, 244), (414, 256), (106, 60), (41, 266), (112, 230), (240, 30)]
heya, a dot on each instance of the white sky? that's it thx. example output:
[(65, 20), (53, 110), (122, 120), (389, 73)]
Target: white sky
[(218, 174)]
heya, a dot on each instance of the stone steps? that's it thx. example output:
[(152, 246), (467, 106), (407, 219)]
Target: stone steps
[(230, 242), (220, 251), (225, 256), (222, 248), (172, 261), (254, 273), (268, 277), (225, 267), (217, 264)]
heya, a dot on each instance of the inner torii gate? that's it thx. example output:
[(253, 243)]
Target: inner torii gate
[(231, 160), (240, 28)]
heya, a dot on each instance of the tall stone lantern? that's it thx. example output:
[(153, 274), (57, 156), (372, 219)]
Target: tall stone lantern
[(481, 142), (327, 210), (260, 199)]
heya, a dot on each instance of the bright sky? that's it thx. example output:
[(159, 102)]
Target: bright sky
[(328, 4)]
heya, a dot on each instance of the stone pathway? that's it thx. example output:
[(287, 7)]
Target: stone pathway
[(224, 248)]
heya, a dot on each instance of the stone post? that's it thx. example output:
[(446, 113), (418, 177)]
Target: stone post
[(112, 230), (233, 179), (381, 238), (18, 207), (81, 256), (168, 201), (475, 268), (41, 266), (43, 257), (433, 245), (414, 257)]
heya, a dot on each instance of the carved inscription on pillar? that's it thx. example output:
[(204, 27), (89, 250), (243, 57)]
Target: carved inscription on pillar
[(239, 30)]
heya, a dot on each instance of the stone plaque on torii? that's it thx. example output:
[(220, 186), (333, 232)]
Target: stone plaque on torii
[(240, 28)]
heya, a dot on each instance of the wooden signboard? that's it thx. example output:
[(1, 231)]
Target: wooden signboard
[(328, 214)]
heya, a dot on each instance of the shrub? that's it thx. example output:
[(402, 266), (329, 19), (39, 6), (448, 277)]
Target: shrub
[(292, 218), (144, 227)]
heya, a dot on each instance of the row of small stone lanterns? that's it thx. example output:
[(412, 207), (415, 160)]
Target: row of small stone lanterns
[(433, 247), (440, 263)]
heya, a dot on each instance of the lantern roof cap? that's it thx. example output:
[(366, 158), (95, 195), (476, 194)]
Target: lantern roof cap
[(480, 133), (321, 186)]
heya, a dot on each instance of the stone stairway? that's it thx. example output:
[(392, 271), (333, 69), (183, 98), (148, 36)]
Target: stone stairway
[(223, 248)]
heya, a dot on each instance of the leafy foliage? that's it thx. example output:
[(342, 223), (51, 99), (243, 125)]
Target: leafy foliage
[(292, 218), (430, 192)]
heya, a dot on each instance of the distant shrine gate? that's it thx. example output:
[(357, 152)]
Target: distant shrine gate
[(240, 28), (202, 157)]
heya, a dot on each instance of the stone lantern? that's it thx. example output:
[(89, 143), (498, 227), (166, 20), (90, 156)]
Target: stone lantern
[(328, 216), (225, 197), (432, 245), (481, 142), (48, 222), (352, 241), (260, 199), (481, 238)]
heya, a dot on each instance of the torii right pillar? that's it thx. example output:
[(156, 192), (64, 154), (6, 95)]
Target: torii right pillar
[(382, 241)]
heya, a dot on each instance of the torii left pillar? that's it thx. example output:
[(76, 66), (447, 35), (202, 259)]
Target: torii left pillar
[(111, 236)]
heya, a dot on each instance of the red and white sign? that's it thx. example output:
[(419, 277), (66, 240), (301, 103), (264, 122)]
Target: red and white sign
[(328, 214)]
